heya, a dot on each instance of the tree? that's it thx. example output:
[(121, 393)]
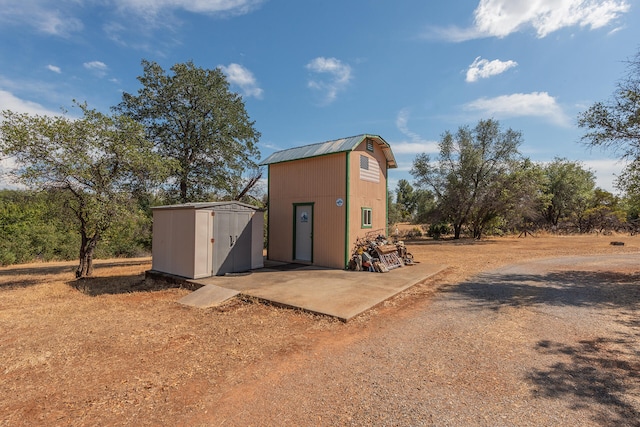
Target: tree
[(406, 200), (604, 213), (32, 227), (569, 189), (425, 206), (525, 198), (615, 124), (629, 183), (393, 214), (193, 118), (466, 175), (93, 164)]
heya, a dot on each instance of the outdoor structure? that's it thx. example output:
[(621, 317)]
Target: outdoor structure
[(323, 197), (197, 240)]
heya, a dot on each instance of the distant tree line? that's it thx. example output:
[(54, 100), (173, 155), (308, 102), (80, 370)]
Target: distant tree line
[(558, 197), (35, 226)]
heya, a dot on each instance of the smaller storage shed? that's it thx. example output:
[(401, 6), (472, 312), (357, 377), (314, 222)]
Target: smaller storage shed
[(196, 240)]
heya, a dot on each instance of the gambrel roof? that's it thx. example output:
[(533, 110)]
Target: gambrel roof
[(330, 147)]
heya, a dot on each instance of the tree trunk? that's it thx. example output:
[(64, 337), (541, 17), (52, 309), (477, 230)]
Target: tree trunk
[(183, 190), (87, 247), (477, 232), (457, 228), (252, 182)]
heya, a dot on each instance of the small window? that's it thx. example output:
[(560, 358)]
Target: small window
[(369, 145), (366, 218)]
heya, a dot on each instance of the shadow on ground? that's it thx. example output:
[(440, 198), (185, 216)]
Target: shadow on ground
[(114, 285), (570, 288), (602, 371), (22, 283), (65, 268), (601, 374)]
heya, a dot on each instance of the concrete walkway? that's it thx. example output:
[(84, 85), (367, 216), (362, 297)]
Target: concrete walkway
[(337, 293)]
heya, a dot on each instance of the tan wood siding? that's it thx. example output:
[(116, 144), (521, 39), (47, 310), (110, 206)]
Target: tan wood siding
[(321, 181), (367, 194)]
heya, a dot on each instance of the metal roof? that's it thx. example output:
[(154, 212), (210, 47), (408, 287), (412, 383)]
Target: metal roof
[(330, 147), (208, 205)]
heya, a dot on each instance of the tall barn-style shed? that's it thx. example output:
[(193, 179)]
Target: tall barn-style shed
[(322, 197), (197, 240)]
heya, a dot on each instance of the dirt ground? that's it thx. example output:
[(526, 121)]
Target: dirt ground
[(115, 350)]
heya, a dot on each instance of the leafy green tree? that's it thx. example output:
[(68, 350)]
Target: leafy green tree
[(32, 228), (524, 197), (405, 199), (466, 176), (394, 215), (605, 213), (92, 163), (193, 118), (615, 124), (425, 206), (569, 188)]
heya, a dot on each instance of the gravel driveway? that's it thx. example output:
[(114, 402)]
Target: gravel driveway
[(549, 342)]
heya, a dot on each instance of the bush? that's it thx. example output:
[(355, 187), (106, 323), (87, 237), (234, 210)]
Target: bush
[(36, 226), (413, 233), (438, 229)]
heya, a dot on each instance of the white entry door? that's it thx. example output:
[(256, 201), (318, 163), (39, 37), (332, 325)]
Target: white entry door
[(303, 250)]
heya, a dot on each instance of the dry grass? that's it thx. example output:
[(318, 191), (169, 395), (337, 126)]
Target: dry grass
[(115, 349)]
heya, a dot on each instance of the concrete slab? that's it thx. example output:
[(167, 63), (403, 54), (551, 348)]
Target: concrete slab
[(208, 296), (337, 293)]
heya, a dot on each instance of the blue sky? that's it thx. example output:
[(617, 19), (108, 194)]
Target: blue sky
[(312, 71)]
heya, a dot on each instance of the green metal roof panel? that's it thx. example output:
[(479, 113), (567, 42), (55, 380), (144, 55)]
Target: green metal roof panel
[(329, 147)]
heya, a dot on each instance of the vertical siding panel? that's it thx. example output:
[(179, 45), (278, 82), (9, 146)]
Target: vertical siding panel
[(319, 180)]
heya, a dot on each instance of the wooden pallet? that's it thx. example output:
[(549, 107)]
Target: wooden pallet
[(390, 260)]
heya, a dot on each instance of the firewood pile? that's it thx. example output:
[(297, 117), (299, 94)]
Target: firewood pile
[(376, 253)]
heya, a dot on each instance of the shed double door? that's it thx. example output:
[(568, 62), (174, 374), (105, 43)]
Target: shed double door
[(231, 242)]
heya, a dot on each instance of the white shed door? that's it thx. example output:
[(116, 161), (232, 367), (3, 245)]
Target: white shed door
[(303, 250)]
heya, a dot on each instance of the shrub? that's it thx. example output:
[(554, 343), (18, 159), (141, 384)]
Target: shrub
[(438, 229)]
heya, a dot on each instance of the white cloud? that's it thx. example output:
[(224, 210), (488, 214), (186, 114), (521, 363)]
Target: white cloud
[(606, 171), (97, 67), (415, 147), (339, 75), (48, 17), (54, 68), (499, 18), (483, 68), (417, 144), (61, 18), (234, 7), (11, 102), (535, 104), (240, 76)]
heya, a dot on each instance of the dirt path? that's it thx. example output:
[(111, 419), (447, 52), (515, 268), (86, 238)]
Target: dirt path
[(551, 342)]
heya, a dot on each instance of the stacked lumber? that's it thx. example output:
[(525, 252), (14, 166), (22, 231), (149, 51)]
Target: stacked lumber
[(377, 254)]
